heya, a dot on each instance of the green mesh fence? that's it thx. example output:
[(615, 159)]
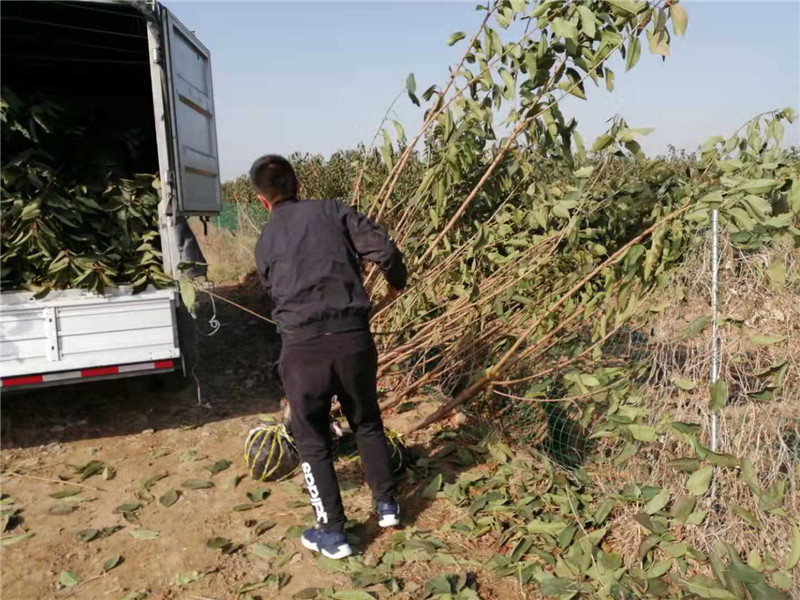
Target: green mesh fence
[(228, 217), (235, 216)]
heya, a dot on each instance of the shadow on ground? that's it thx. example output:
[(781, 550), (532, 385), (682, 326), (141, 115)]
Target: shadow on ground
[(234, 372)]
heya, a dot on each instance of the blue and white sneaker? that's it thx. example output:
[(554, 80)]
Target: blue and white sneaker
[(329, 544), (388, 513)]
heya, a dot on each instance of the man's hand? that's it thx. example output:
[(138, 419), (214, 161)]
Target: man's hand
[(391, 294)]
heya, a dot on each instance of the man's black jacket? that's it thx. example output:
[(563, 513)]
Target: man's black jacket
[(308, 259)]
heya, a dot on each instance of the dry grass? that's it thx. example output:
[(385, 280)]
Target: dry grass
[(767, 432), (229, 254)]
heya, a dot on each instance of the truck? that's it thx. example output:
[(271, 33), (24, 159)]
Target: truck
[(136, 62)]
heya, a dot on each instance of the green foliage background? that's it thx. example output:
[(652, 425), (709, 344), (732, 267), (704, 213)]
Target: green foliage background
[(533, 258)]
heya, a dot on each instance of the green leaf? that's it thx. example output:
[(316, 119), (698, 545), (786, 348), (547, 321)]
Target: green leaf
[(602, 512), (109, 530), (783, 581), (154, 480), (187, 577), (294, 532), (218, 543), (699, 481), (720, 460), (17, 538), (657, 502), (144, 534), (69, 578), (61, 509), (629, 133), (188, 293), (353, 595), (643, 433), (112, 562), (777, 275), (682, 508), (748, 475), (675, 549), (761, 186), (433, 487), (129, 507), (558, 586), (169, 498), (401, 133), (188, 456), (684, 384), (588, 22), (439, 585), (90, 469), (609, 77), (658, 42), (197, 484), (718, 395), (273, 580), (687, 465), (510, 86), (258, 494), (696, 327), (745, 515), (565, 29), (540, 527), (794, 552), (456, 37), (634, 52), (218, 466), (763, 340), (263, 550), (411, 84), (630, 6), (86, 535), (679, 18), (633, 256), (264, 526), (66, 493)]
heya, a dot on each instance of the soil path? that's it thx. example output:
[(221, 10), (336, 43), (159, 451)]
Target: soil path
[(143, 430)]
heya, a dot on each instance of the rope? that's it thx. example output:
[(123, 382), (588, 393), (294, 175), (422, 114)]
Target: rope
[(213, 322), (260, 316), (239, 306)]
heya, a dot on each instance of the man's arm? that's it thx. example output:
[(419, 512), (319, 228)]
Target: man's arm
[(375, 246), (262, 267)]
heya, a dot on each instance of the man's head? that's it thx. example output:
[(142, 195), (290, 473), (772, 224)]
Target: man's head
[(274, 180)]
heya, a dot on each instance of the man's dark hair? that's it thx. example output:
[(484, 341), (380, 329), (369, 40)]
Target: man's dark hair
[(273, 177)]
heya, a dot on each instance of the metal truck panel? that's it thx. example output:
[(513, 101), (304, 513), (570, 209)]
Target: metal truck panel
[(77, 330), (193, 126)]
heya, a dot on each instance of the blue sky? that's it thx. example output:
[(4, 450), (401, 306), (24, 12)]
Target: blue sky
[(316, 77)]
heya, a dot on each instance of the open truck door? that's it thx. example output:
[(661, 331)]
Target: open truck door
[(192, 130)]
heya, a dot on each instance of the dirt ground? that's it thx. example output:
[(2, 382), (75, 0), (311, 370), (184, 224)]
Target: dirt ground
[(143, 430)]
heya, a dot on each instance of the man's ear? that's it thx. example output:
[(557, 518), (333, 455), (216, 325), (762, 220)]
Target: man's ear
[(264, 202)]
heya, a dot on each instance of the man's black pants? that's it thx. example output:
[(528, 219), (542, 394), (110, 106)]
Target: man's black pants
[(344, 365)]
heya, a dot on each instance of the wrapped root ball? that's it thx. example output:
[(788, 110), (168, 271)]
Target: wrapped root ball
[(270, 453)]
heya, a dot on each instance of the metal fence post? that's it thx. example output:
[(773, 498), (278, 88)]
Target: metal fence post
[(714, 325)]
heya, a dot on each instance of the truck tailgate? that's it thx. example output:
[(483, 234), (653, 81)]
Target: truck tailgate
[(75, 329)]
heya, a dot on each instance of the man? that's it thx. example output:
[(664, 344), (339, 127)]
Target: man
[(308, 258)]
